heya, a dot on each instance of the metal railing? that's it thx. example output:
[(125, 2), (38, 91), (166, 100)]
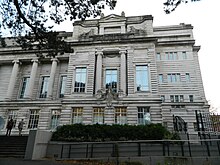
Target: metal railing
[(189, 148)]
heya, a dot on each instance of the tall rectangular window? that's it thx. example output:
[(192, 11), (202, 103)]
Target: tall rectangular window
[(33, 119), (55, 119), (162, 98), (188, 77), (160, 77), (62, 86), (181, 98), (98, 115), (158, 56), (12, 114), (175, 57), (80, 81), (142, 78), (171, 98), (24, 86), (177, 98), (144, 115), (111, 79), (44, 86), (77, 115), (191, 98), (184, 55), (121, 115)]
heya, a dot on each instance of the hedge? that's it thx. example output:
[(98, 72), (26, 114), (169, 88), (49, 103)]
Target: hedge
[(98, 132)]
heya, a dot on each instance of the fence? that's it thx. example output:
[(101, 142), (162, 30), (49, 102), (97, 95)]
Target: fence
[(196, 148)]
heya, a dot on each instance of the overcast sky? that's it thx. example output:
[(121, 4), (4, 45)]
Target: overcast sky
[(204, 16)]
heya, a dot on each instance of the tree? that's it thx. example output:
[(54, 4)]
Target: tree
[(28, 20), (171, 5)]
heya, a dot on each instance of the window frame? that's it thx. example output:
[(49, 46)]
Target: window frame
[(77, 115), (24, 87), (61, 87), (57, 115), (118, 116), (141, 116), (97, 114), (117, 77), (33, 122), (147, 86), (80, 89), (44, 87)]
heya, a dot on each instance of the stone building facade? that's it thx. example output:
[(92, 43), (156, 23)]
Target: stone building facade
[(123, 71)]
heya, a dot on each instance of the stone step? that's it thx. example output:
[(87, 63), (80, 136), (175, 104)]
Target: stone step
[(13, 146)]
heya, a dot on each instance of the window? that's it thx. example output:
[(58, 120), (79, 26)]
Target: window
[(24, 86), (171, 98), (161, 78), (190, 98), (98, 115), (188, 77), (111, 79), (171, 55), (174, 77), (162, 98), (144, 116), (12, 114), (120, 115), (158, 57), (175, 56), (142, 78), (33, 119), (44, 86), (55, 119), (181, 98), (177, 98), (80, 83), (184, 55), (77, 115), (62, 86)]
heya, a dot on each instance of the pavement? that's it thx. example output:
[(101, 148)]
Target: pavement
[(20, 161)]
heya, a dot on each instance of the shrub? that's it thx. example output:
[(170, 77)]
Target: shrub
[(97, 132)]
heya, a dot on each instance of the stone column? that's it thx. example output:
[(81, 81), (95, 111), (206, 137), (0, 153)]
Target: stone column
[(52, 77), (30, 87), (13, 78), (123, 71), (99, 71)]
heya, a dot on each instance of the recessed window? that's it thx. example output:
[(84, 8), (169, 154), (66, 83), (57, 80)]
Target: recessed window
[(142, 78), (171, 98), (55, 119), (98, 115), (34, 119), (160, 77), (24, 86), (77, 114), (158, 56), (188, 79), (121, 115), (191, 98), (80, 81), (184, 55), (144, 115), (44, 86), (111, 79), (173, 77), (62, 86), (181, 98), (163, 98)]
